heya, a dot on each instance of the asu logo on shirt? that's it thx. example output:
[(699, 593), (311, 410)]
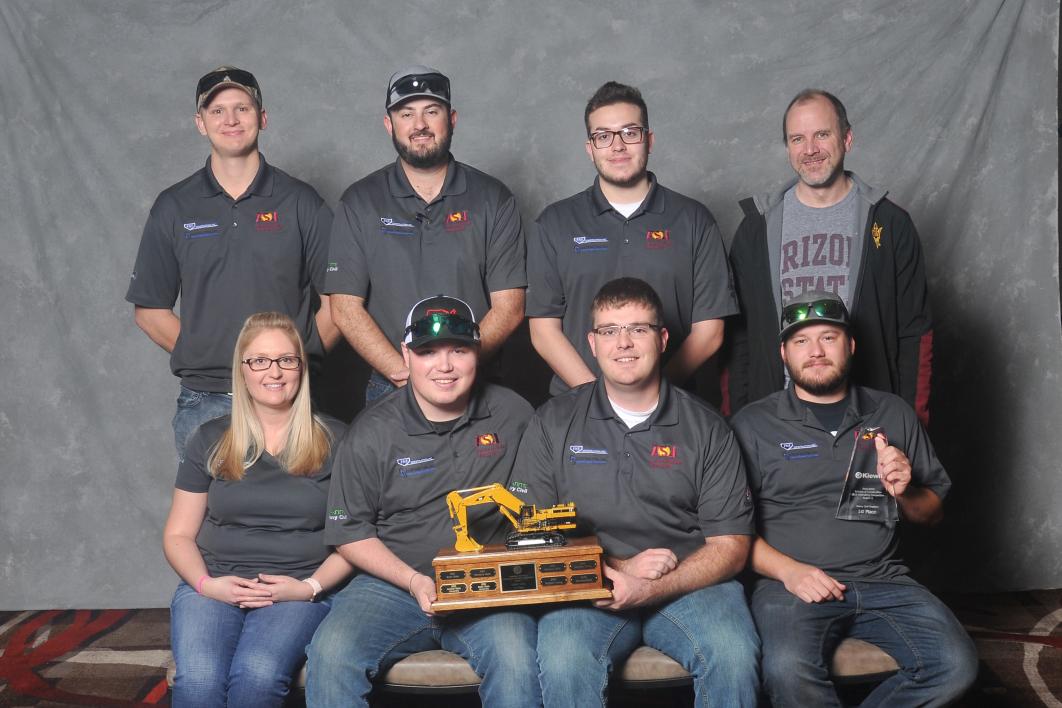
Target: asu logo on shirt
[(489, 445), (658, 239), (663, 456), (457, 221), (267, 221)]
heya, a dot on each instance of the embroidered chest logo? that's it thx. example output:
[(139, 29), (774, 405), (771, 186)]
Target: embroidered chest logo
[(489, 445), (396, 227), (875, 233), (658, 239), (587, 455), (410, 467), (798, 451), (267, 221), (664, 456), (194, 229), (589, 244), (457, 221)]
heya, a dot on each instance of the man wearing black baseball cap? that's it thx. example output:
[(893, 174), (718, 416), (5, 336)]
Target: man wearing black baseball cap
[(238, 237), (422, 225), (387, 516), (833, 469)]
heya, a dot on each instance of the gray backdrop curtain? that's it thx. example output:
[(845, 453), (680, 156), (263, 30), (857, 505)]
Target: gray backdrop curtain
[(954, 111)]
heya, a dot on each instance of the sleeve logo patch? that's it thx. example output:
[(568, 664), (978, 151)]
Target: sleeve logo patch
[(267, 221), (658, 239), (457, 221)]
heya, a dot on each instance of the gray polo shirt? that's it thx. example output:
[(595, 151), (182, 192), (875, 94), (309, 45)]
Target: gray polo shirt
[(796, 472), (228, 259), (669, 482), (393, 472), (672, 242), (393, 249), (268, 522)]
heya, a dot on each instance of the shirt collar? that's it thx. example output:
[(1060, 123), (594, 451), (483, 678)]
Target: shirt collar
[(261, 185), (456, 181), (666, 412), (414, 422), (860, 406), (653, 202)]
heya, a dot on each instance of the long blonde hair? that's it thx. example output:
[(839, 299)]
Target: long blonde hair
[(308, 442)]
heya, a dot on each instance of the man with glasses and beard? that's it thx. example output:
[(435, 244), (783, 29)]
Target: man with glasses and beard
[(828, 230), (625, 224), (832, 469), (423, 225)]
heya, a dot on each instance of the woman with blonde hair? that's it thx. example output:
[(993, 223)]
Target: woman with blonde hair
[(246, 526)]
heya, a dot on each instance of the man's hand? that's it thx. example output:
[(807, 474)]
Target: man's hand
[(894, 469), (811, 584), (628, 591), (399, 378), (650, 564), (423, 590)]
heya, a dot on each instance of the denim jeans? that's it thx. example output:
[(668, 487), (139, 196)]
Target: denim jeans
[(228, 656), (708, 631), (937, 659), (193, 409), (377, 387), (373, 624)]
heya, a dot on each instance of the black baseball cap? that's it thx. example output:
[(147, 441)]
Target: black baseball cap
[(814, 306), (417, 81), (440, 319), (226, 77)]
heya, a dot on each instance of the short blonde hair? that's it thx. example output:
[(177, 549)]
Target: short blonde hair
[(308, 441)]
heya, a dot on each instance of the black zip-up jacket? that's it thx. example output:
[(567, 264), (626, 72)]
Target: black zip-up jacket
[(890, 316)]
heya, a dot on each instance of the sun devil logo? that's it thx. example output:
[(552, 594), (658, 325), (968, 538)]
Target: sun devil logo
[(658, 239), (664, 451), (663, 456), (875, 233), (457, 221), (267, 221), (486, 439), (488, 445)]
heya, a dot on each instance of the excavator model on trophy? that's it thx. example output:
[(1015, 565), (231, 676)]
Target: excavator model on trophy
[(532, 527)]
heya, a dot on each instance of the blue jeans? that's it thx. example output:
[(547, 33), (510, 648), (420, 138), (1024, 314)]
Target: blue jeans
[(373, 624), (193, 409), (228, 656), (709, 631), (377, 387), (937, 659)]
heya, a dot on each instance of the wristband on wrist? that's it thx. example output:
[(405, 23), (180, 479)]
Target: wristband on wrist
[(410, 588), (315, 586), (199, 584)]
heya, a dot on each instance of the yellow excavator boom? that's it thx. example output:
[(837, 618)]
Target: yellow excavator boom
[(525, 518)]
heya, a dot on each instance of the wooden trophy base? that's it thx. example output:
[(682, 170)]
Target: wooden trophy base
[(496, 576)]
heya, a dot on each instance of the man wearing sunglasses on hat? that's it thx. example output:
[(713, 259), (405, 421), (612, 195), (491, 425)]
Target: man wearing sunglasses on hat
[(656, 474), (387, 516), (625, 224), (238, 237), (828, 230), (833, 469), (422, 225)]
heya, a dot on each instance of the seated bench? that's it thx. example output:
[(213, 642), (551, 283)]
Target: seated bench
[(439, 672)]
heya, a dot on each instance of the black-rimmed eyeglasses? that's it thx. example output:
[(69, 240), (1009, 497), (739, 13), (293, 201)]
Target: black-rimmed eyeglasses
[(261, 363), (631, 135)]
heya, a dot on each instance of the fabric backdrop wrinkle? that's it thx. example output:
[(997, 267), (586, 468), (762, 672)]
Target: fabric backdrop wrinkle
[(953, 106)]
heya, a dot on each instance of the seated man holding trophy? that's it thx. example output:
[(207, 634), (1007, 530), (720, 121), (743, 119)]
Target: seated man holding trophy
[(387, 515), (833, 468), (656, 474)]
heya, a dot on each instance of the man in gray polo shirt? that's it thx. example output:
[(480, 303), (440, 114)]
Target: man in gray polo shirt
[(828, 230), (829, 572), (656, 474), (626, 223), (388, 517), (422, 225), (238, 237)]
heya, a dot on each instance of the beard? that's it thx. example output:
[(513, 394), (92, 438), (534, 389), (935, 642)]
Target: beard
[(432, 157), (836, 382)]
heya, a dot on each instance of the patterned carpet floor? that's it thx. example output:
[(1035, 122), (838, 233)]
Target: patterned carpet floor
[(119, 657)]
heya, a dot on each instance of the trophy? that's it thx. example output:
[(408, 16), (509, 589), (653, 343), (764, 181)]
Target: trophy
[(536, 564), (863, 497)]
